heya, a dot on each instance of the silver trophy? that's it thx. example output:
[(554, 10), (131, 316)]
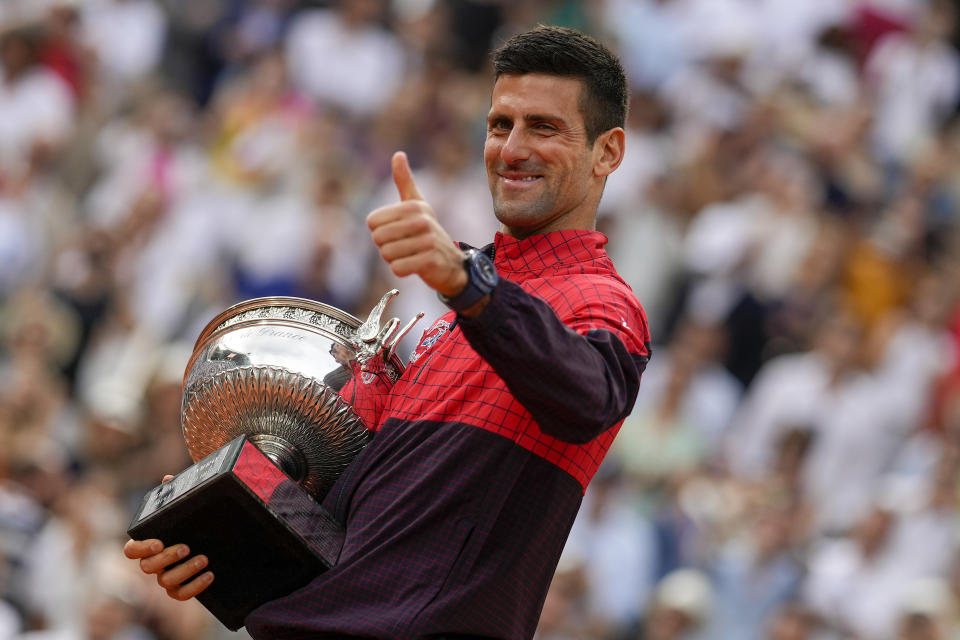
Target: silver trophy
[(279, 396)]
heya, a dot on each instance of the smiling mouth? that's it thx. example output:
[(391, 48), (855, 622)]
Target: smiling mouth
[(519, 180)]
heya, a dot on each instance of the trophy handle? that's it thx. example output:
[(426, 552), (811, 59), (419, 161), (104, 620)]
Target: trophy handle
[(369, 331), (372, 340), (392, 345)]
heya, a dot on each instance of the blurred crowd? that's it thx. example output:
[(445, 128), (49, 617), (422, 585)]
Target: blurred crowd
[(787, 213)]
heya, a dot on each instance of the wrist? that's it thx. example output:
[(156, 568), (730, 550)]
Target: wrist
[(480, 278), (477, 309), (457, 286)]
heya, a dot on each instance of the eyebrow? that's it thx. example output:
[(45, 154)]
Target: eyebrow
[(527, 117), (535, 117)]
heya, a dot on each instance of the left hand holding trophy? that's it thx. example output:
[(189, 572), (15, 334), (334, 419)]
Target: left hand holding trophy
[(279, 396)]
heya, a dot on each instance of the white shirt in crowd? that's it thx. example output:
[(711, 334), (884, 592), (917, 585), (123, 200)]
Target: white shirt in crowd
[(128, 37), (35, 108), (916, 87), (356, 70)]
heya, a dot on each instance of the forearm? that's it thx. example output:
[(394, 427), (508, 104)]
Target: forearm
[(576, 385)]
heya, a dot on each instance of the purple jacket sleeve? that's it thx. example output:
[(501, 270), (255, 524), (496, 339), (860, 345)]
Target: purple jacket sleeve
[(575, 385)]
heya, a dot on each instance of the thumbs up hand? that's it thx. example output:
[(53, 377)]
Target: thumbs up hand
[(411, 240)]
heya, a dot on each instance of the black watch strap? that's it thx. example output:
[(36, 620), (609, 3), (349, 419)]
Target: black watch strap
[(482, 277)]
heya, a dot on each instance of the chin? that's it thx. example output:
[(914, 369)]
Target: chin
[(520, 214), (519, 223)]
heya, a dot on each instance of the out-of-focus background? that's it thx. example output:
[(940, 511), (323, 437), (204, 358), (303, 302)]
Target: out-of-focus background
[(787, 213)]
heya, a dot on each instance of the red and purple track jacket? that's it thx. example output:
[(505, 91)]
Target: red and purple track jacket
[(458, 509)]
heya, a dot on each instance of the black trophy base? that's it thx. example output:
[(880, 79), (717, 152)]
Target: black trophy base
[(263, 534)]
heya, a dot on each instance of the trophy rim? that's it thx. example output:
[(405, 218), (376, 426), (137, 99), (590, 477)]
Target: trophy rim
[(277, 301), (273, 301)]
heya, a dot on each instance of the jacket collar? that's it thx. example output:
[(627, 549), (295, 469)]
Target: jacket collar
[(539, 252)]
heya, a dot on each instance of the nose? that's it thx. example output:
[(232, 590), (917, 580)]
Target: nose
[(515, 148)]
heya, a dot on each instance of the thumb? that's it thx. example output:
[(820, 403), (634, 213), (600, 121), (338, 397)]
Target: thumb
[(403, 177)]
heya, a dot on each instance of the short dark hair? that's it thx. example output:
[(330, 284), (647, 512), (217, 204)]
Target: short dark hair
[(566, 52)]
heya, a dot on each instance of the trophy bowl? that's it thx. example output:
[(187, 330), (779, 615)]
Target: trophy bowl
[(272, 369)]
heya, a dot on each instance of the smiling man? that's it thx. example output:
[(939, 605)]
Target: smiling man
[(458, 509), (545, 166)]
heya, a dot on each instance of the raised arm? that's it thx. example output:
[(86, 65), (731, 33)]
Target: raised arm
[(577, 375)]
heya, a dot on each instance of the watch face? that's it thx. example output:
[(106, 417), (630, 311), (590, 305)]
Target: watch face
[(486, 272)]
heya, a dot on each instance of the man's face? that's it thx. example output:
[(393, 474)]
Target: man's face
[(539, 164)]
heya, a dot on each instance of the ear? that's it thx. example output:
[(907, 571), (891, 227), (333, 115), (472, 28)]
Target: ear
[(608, 150)]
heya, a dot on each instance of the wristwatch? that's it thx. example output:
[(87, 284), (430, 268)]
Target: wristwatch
[(482, 277)]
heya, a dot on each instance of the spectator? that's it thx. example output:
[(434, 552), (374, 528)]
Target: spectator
[(682, 606), (755, 574), (621, 548), (922, 65), (36, 111), (794, 390), (127, 37), (344, 58)]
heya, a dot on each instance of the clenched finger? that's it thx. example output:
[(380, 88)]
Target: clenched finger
[(135, 549), (407, 247), (413, 225), (173, 578), (400, 211), (162, 560), (427, 262), (192, 588)]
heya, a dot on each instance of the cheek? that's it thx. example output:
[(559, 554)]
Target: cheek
[(566, 157), (491, 152)]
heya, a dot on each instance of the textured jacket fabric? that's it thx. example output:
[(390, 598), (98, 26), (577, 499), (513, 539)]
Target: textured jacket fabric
[(458, 509)]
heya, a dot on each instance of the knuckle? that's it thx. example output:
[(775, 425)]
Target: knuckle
[(151, 565), (374, 218), (421, 222), (178, 594), (393, 254)]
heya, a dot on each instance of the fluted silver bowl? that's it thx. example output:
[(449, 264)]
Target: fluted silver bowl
[(271, 369)]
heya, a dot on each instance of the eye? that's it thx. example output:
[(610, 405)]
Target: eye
[(498, 126), (544, 127)]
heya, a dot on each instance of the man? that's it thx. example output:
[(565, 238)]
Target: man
[(458, 509)]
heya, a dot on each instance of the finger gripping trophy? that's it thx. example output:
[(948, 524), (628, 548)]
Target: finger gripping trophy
[(279, 396)]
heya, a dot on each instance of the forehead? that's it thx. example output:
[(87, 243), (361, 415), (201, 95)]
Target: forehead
[(537, 93)]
